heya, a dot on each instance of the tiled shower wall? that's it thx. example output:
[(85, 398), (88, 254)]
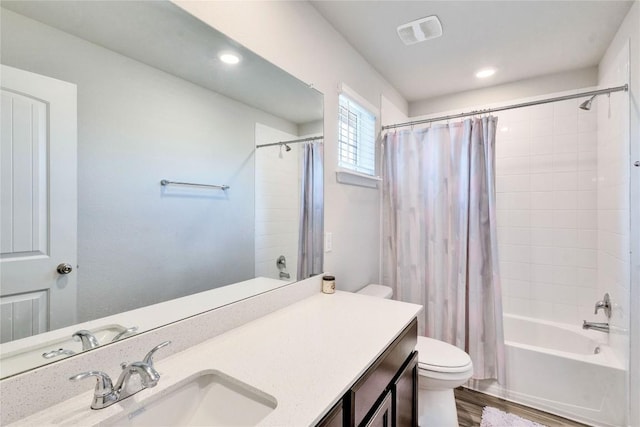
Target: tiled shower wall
[(546, 184), (614, 264), (277, 203)]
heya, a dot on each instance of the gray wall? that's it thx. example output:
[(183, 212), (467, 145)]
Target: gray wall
[(139, 244), (295, 37)]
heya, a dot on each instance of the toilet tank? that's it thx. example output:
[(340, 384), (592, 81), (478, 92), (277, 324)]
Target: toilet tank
[(379, 291)]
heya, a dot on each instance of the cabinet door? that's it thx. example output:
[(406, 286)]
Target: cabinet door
[(377, 379), (383, 416), (405, 394), (334, 418)]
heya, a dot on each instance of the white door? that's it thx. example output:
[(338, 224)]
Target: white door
[(38, 203)]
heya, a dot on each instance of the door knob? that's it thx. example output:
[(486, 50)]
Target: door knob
[(64, 268)]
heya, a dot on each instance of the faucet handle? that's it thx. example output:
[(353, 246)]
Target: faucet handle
[(88, 340), (104, 386), (148, 359), (604, 304), (125, 332)]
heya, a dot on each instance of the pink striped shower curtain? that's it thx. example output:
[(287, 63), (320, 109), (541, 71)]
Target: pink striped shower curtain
[(440, 237)]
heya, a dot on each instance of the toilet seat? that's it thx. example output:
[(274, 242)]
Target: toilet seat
[(439, 356)]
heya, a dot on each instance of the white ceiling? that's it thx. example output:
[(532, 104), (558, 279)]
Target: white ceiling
[(160, 34), (521, 39)]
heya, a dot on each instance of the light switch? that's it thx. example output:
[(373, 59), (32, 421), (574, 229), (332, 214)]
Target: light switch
[(328, 242)]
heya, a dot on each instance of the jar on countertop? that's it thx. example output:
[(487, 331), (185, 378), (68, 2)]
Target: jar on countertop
[(328, 284)]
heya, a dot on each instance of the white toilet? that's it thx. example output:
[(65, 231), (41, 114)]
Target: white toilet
[(441, 368)]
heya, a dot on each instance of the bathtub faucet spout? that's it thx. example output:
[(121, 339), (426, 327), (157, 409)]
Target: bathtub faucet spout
[(602, 327)]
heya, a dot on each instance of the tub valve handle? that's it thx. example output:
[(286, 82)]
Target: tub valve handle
[(604, 304)]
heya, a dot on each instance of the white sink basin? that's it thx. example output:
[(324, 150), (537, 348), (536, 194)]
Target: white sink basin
[(209, 398)]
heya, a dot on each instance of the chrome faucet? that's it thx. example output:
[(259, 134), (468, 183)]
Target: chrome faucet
[(281, 263), (604, 304), (106, 394), (59, 352), (88, 340), (601, 327), (127, 331)]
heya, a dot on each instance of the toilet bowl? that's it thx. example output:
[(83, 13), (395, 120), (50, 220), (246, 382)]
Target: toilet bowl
[(441, 368)]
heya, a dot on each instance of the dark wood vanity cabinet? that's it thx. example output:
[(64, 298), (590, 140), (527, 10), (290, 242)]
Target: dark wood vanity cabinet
[(387, 393), (405, 392), (334, 418), (383, 412)]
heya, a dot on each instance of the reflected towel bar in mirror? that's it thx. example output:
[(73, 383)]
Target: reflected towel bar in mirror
[(292, 141), (165, 182), (204, 131)]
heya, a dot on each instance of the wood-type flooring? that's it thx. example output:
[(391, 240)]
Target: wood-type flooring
[(470, 404)]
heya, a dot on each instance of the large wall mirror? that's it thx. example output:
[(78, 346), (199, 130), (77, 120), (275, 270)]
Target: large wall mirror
[(143, 178)]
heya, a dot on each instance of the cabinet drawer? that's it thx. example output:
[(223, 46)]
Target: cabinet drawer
[(375, 381)]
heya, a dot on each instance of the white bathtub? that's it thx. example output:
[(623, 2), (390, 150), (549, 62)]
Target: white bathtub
[(560, 369)]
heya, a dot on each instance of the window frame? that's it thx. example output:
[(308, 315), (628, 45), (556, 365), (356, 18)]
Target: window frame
[(359, 168)]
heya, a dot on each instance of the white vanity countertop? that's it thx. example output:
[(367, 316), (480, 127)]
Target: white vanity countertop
[(12, 358), (306, 355)]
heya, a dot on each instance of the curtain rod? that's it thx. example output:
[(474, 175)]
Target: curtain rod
[(511, 107), (293, 141)]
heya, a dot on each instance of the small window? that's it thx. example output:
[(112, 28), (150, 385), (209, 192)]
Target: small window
[(356, 137)]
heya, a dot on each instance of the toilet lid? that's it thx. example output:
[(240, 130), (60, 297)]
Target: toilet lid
[(379, 291), (436, 355)]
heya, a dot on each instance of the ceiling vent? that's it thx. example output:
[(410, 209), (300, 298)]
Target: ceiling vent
[(420, 30)]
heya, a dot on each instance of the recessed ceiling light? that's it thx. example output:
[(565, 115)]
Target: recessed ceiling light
[(487, 72), (229, 58)]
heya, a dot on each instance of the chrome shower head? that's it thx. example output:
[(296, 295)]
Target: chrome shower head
[(586, 105)]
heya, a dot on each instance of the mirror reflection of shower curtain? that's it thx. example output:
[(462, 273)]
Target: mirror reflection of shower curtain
[(440, 236), (310, 247)]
